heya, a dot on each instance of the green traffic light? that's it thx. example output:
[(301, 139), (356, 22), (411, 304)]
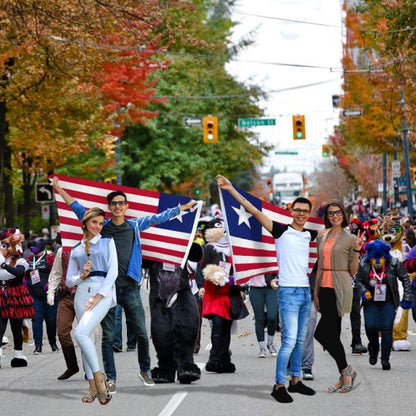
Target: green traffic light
[(197, 191), (299, 134)]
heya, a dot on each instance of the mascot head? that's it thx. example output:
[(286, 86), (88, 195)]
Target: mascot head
[(37, 245), (370, 228), (214, 230), (390, 231), (10, 240), (378, 252), (355, 226)]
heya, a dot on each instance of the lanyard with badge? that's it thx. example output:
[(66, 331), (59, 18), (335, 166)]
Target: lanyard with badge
[(379, 288), (34, 273)]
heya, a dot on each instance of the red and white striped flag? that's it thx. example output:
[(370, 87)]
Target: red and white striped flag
[(253, 247), (168, 242)]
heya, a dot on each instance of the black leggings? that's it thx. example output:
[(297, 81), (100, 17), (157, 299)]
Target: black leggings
[(220, 339), (328, 331), (16, 326)]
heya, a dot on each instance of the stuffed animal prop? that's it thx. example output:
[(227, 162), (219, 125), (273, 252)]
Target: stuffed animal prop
[(222, 302), (174, 319), (390, 230), (15, 301)]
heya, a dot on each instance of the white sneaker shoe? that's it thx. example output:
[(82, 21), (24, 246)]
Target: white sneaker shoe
[(262, 353), (272, 350)]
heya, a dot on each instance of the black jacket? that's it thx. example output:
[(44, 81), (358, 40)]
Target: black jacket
[(395, 270)]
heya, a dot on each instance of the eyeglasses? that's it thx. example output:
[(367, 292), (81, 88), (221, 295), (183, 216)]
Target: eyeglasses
[(115, 203), (301, 211), (333, 213)]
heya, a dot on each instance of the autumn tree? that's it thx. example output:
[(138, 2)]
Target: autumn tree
[(57, 97), (165, 153)]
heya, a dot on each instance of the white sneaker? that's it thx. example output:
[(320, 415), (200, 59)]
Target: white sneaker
[(272, 350), (262, 353)]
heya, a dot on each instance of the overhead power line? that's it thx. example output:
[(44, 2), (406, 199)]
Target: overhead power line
[(247, 94)]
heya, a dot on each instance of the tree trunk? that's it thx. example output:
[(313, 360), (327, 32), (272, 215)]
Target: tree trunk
[(6, 188)]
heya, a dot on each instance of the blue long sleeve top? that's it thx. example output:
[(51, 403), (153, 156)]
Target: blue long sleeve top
[(138, 224), (103, 258)]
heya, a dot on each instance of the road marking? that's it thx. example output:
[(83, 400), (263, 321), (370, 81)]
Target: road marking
[(173, 403)]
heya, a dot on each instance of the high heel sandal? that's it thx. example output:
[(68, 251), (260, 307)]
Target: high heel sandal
[(333, 389), (89, 397), (349, 372), (104, 396)]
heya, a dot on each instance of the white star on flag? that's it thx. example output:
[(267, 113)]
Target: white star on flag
[(179, 216), (243, 215)]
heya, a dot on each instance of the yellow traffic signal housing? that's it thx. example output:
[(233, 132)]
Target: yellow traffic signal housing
[(298, 124), (325, 150), (210, 127)]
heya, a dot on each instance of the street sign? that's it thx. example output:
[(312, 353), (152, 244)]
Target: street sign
[(395, 169), (285, 153), (253, 122), (192, 121), (44, 192), (352, 113), (45, 212)]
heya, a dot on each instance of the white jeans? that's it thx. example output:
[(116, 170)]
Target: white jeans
[(87, 322)]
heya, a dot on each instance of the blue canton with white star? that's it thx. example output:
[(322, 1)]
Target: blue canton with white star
[(184, 221), (240, 222)]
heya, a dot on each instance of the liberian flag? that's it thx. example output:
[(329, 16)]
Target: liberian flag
[(168, 242), (253, 247)]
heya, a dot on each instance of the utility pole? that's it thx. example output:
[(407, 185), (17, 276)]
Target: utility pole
[(406, 160), (384, 207)]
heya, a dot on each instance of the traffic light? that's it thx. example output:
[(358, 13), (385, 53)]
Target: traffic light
[(210, 126), (413, 177), (325, 150), (110, 180), (298, 124)]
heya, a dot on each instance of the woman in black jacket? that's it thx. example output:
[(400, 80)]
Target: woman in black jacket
[(378, 276)]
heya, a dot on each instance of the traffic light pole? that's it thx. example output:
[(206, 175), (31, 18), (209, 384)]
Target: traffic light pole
[(406, 161)]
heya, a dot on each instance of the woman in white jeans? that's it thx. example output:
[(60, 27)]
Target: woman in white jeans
[(93, 268)]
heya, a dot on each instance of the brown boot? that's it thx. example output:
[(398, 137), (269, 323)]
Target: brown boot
[(71, 362)]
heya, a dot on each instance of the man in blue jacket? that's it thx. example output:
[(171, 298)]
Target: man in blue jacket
[(126, 235)]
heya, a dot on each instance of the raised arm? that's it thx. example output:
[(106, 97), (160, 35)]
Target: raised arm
[(66, 197), (226, 185)]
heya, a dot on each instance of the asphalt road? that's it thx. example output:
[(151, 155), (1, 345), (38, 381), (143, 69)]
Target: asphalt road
[(35, 390)]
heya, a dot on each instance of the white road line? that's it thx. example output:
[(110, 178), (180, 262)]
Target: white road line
[(173, 403)]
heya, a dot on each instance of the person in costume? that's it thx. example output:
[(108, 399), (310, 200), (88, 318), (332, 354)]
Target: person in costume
[(222, 299), (15, 301), (378, 276)]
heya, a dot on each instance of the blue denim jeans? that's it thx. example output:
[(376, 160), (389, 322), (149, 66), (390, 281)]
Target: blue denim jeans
[(118, 330), (43, 311), (295, 308), (379, 318), (130, 300)]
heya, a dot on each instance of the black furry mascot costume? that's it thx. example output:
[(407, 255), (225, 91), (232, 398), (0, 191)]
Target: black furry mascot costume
[(174, 319)]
